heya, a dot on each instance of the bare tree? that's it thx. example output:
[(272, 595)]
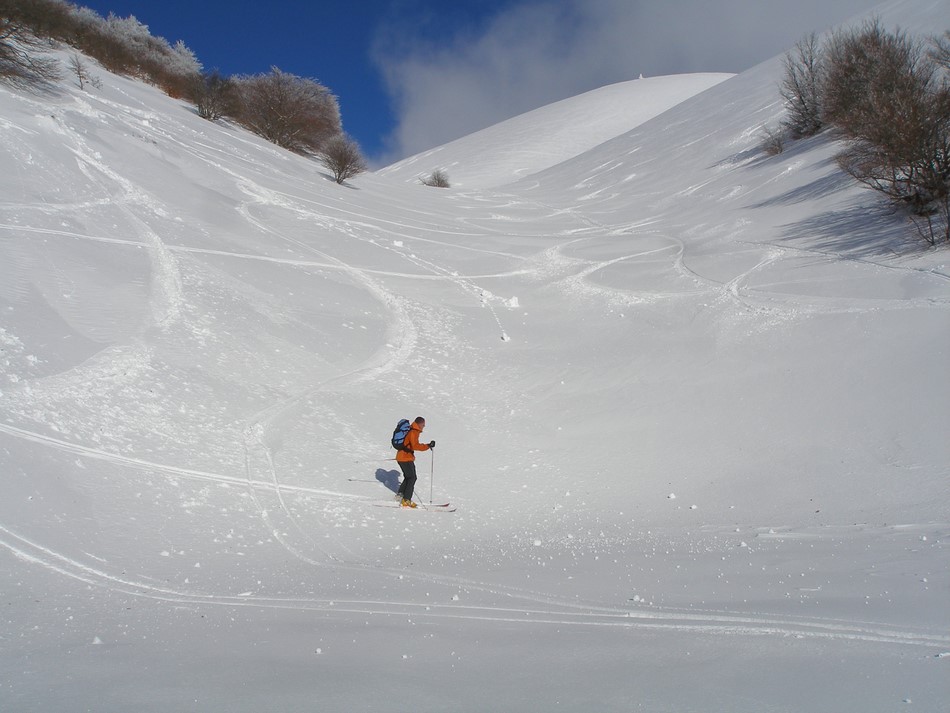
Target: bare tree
[(437, 179), (19, 65), (342, 156), (43, 18), (802, 88), (888, 97), (941, 51), (293, 112), (78, 68), (773, 140), (215, 96), (867, 68)]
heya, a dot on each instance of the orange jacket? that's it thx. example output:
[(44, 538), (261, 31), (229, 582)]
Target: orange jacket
[(412, 440)]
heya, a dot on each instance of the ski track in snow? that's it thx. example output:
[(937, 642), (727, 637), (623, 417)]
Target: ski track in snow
[(167, 296), (386, 360), (718, 624), (557, 612), (403, 334), (168, 470), (442, 275), (578, 281), (578, 274)]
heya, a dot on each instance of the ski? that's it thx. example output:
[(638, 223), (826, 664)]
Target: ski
[(435, 507)]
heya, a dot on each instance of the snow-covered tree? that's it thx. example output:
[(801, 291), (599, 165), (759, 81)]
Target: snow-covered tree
[(215, 96), (296, 113)]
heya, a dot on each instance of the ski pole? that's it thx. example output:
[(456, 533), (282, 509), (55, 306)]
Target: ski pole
[(431, 475)]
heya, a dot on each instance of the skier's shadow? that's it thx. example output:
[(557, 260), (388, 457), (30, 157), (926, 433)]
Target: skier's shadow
[(389, 478)]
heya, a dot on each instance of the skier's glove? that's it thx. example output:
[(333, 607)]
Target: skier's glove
[(431, 444)]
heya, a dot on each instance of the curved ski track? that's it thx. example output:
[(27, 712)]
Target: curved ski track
[(707, 623)]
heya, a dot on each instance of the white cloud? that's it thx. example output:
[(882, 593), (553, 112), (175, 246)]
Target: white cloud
[(533, 53)]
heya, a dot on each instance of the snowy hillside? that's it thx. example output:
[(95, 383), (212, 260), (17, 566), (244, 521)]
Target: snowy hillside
[(689, 400), (545, 137)]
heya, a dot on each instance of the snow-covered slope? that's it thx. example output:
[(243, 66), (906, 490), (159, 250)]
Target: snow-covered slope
[(542, 138), (688, 398)]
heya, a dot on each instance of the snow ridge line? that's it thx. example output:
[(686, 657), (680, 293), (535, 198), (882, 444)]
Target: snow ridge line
[(34, 553)]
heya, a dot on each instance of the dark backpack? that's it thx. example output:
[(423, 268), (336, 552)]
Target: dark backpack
[(399, 435)]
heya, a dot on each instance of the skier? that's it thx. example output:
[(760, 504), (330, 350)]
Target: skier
[(407, 460)]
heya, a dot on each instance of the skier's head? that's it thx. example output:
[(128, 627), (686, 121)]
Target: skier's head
[(420, 422)]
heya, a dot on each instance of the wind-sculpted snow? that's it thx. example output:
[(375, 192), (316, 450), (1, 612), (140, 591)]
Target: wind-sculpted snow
[(687, 400)]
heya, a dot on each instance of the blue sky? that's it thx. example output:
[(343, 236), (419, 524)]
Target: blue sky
[(412, 74)]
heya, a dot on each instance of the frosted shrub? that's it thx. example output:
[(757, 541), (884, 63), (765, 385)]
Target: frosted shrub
[(891, 100), (773, 141), (342, 156), (802, 88), (215, 96), (436, 179), (296, 113), (121, 45)]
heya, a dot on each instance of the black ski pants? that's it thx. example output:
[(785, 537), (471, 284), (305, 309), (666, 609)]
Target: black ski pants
[(408, 479)]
